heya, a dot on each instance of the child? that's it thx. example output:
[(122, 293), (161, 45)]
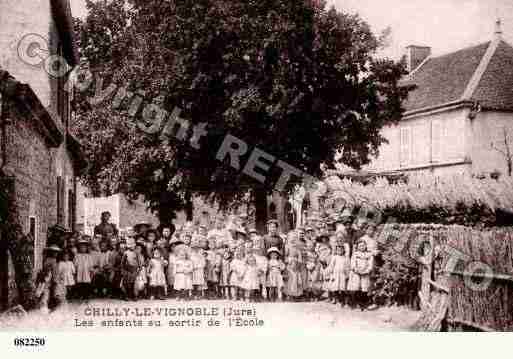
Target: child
[(115, 274), (213, 268), (224, 281), (274, 275), (250, 280), (262, 264), (156, 275), (183, 275), (293, 283), (338, 270), (237, 268), (43, 283), (362, 264), (100, 279), (131, 265), (198, 270), (313, 277), (67, 271), (171, 266), (142, 276), (84, 266)]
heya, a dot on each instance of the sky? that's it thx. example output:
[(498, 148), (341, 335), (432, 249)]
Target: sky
[(444, 25)]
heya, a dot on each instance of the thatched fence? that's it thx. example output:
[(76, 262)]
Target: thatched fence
[(466, 275)]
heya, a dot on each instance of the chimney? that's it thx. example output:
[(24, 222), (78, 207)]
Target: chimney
[(498, 29), (415, 55)]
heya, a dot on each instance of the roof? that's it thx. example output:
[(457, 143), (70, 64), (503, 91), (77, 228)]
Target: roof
[(75, 149), (64, 20), (29, 104), (482, 73), (495, 90), (48, 124), (443, 79)]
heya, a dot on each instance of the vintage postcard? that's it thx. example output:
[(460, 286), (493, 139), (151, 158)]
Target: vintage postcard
[(276, 167)]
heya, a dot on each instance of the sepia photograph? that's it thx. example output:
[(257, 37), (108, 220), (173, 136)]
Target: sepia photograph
[(271, 167)]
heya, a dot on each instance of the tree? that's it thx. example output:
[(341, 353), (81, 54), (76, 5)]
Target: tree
[(292, 78)]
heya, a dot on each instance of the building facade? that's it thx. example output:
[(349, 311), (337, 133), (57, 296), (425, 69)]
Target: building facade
[(459, 115), (38, 151), (125, 214)]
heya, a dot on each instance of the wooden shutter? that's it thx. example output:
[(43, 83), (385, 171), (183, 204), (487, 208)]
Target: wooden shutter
[(60, 200), (71, 210), (436, 141), (406, 146)]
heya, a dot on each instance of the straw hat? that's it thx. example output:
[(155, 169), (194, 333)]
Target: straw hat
[(53, 248), (273, 250), (275, 221), (253, 231), (241, 231)]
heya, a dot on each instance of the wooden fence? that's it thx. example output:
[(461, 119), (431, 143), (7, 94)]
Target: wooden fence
[(473, 293)]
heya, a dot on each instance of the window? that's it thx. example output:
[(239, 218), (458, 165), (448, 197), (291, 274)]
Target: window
[(406, 146), (436, 141), (71, 210), (60, 200)]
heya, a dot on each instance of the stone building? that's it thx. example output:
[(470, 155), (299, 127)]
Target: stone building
[(37, 150)]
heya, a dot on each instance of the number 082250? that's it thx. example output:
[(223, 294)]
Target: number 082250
[(29, 342)]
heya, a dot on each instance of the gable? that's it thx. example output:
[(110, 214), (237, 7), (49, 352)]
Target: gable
[(495, 89)]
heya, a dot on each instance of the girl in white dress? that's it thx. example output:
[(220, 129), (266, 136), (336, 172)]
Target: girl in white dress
[(198, 270), (362, 264), (275, 274), (156, 275), (67, 271), (183, 275), (237, 268), (338, 271), (250, 281), (84, 265)]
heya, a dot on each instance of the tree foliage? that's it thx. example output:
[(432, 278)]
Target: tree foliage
[(294, 79)]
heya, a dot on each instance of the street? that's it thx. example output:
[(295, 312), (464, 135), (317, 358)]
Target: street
[(265, 318)]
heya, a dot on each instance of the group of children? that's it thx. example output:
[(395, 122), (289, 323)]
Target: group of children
[(196, 264)]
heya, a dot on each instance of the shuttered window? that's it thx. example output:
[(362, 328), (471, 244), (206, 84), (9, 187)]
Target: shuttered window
[(406, 146), (61, 188), (436, 140), (71, 210)]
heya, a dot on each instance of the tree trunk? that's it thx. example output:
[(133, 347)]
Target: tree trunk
[(260, 197), (189, 208)]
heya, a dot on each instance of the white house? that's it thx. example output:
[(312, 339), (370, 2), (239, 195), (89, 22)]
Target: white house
[(459, 117)]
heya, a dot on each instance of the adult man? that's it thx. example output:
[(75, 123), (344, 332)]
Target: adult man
[(273, 239), (105, 229)]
